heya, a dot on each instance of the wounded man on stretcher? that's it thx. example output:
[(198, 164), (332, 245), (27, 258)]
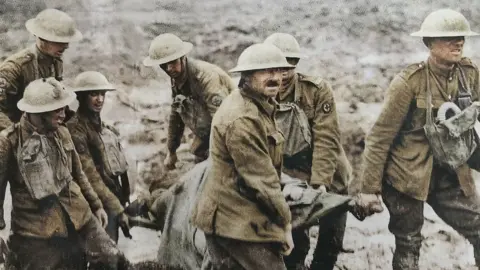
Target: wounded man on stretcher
[(183, 245)]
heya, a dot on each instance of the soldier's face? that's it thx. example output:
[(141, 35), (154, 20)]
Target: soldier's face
[(53, 119), (173, 68), (447, 50), (288, 74), (54, 49), (95, 100), (267, 81)]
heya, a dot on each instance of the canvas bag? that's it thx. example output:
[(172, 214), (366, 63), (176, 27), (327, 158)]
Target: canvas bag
[(452, 140)]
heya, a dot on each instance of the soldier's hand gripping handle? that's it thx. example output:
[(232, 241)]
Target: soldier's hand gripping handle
[(364, 205), (288, 245)]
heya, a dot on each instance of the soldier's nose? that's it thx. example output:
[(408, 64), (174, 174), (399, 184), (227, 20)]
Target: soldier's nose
[(61, 114)]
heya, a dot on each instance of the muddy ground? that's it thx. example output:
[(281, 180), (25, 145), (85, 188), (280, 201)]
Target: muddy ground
[(357, 45)]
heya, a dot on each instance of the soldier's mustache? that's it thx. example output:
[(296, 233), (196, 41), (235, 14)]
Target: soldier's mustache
[(273, 83)]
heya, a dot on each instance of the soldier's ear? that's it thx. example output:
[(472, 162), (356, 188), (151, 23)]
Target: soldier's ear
[(427, 41)]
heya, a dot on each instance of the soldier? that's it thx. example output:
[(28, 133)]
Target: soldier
[(53, 30), (52, 220), (241, 209), (99, 149), (198, 88), (312, 152), (398, 160)]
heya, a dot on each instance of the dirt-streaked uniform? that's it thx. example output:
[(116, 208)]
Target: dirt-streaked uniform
[(399, 165), (85, 131), (41, 226), (241, 204), (205, 86), (16, 72), (324, 163)]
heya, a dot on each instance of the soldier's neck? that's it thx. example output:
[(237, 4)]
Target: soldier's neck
[(440, 64), (181, 80), (43, 55), (93, 117), (288, 87)]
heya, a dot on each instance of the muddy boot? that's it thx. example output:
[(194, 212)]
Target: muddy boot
[(406, 256), (2, 220)]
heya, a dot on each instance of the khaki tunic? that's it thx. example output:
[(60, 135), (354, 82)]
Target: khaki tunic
[(91, 151), (242, 197), (208, 85), (16, 72), (326, 162), (396, 148), (34, 218)]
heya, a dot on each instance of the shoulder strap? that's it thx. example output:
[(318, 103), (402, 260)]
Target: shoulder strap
[(464, 94), (429, 116)]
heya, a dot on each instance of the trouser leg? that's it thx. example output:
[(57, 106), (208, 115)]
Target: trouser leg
[(101, 251), (33, 253), (406, 221), (462, 213), (296, 259), (330, 242), (226, 254)]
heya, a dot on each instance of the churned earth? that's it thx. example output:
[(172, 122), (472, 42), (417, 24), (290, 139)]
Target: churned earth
[(356, 45)]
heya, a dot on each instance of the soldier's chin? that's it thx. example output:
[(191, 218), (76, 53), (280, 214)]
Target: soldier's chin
[(271, 91)]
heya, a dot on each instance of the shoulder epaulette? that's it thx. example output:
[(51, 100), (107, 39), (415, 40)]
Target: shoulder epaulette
[(311, 79), (467, 62), (407, 72), (22, 57)]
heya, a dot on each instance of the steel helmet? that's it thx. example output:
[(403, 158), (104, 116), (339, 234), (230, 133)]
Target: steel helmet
[(91, 81), (444, 23), (165, 48), (261, 56), (45, 95), (286, 43), (54, 25)]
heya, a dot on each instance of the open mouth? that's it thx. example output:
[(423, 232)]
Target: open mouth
[(273, 84)]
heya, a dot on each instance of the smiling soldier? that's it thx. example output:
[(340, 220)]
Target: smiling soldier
[(57, 217), (98, 146), (402, 161), (53, 30), (241, 209)]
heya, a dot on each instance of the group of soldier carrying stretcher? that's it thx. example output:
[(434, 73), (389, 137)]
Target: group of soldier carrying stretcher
[(270, 160)]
